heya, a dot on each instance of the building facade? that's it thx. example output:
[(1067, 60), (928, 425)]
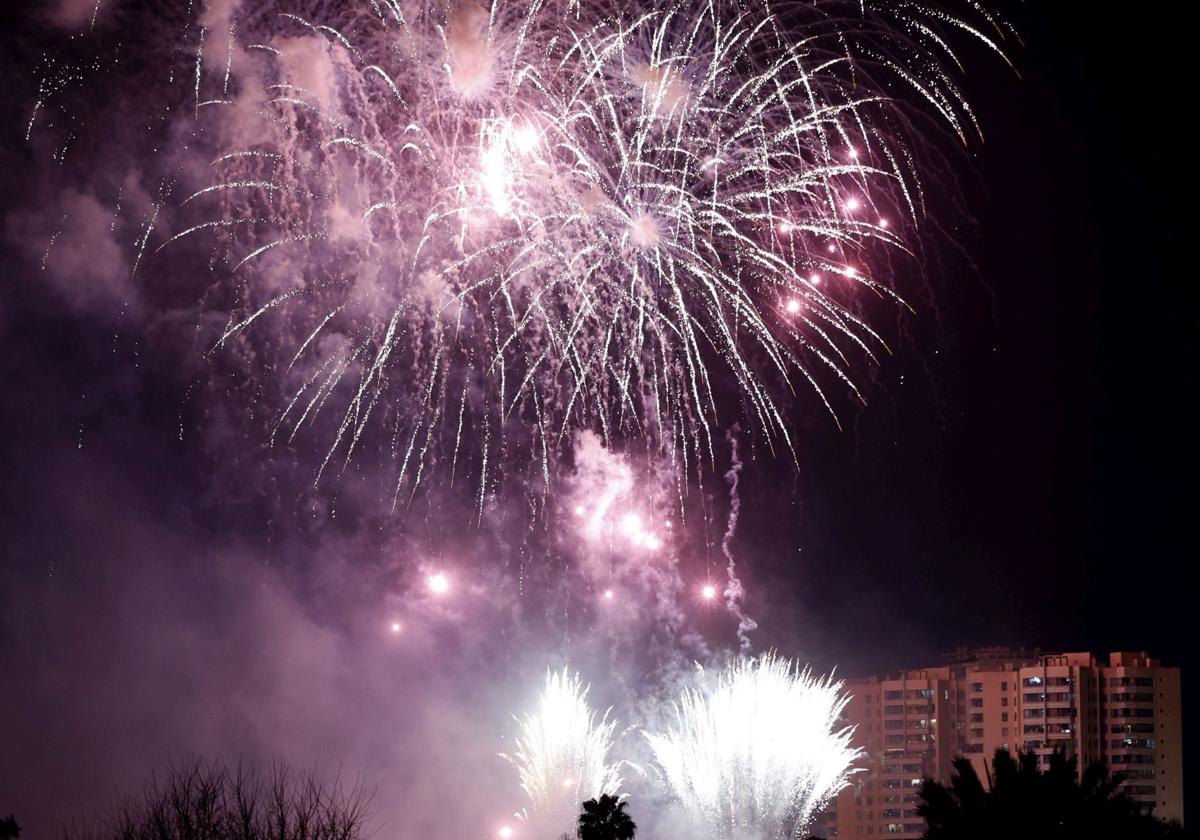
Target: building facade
[(1125, 711)]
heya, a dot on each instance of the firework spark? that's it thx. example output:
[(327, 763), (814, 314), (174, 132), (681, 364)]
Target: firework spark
[(438, 583), (562, 756), (469, 233), (760, 754)]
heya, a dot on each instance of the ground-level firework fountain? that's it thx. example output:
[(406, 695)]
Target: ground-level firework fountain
[(760, 753), (752, 753), (562, 756)]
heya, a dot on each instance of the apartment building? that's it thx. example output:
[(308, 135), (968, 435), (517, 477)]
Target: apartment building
[(1125, 711)]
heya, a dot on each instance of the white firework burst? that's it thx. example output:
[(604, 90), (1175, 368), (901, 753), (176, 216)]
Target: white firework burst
[(760, 754), (563, 755)]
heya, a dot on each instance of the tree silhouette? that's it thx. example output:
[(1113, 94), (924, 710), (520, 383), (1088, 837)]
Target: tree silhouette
[(206, 801), (605, 819), (9, 830), (1020, 801)]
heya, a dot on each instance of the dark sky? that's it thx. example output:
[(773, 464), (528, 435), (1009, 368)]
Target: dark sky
[(1022, 472), (1024, 476), (1020, 477)]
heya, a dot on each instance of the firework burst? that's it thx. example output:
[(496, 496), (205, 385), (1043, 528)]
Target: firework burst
[(461, 234)]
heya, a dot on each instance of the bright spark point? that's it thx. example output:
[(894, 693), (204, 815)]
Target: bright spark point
[(495, 178), (505, 832), (852, 204), (644, 231), (854, 154), (793, 306), (438, 583), (652, 542), (525, 139), (580, 510), (608, 594), (708, 592), (883, 223), (395, 626), (815, 279)]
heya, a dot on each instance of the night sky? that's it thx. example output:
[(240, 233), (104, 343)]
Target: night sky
[(1021, 475)]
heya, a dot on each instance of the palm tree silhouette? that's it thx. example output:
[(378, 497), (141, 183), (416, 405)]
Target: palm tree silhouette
[(1021, 801), (605, 819)]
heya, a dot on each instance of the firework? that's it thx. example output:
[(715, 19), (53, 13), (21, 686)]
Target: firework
[(467, 233), (438, 583), (562, 756), (760, 754)]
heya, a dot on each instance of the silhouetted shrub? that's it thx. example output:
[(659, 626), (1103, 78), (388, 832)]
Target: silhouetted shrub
[(205, 800)]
